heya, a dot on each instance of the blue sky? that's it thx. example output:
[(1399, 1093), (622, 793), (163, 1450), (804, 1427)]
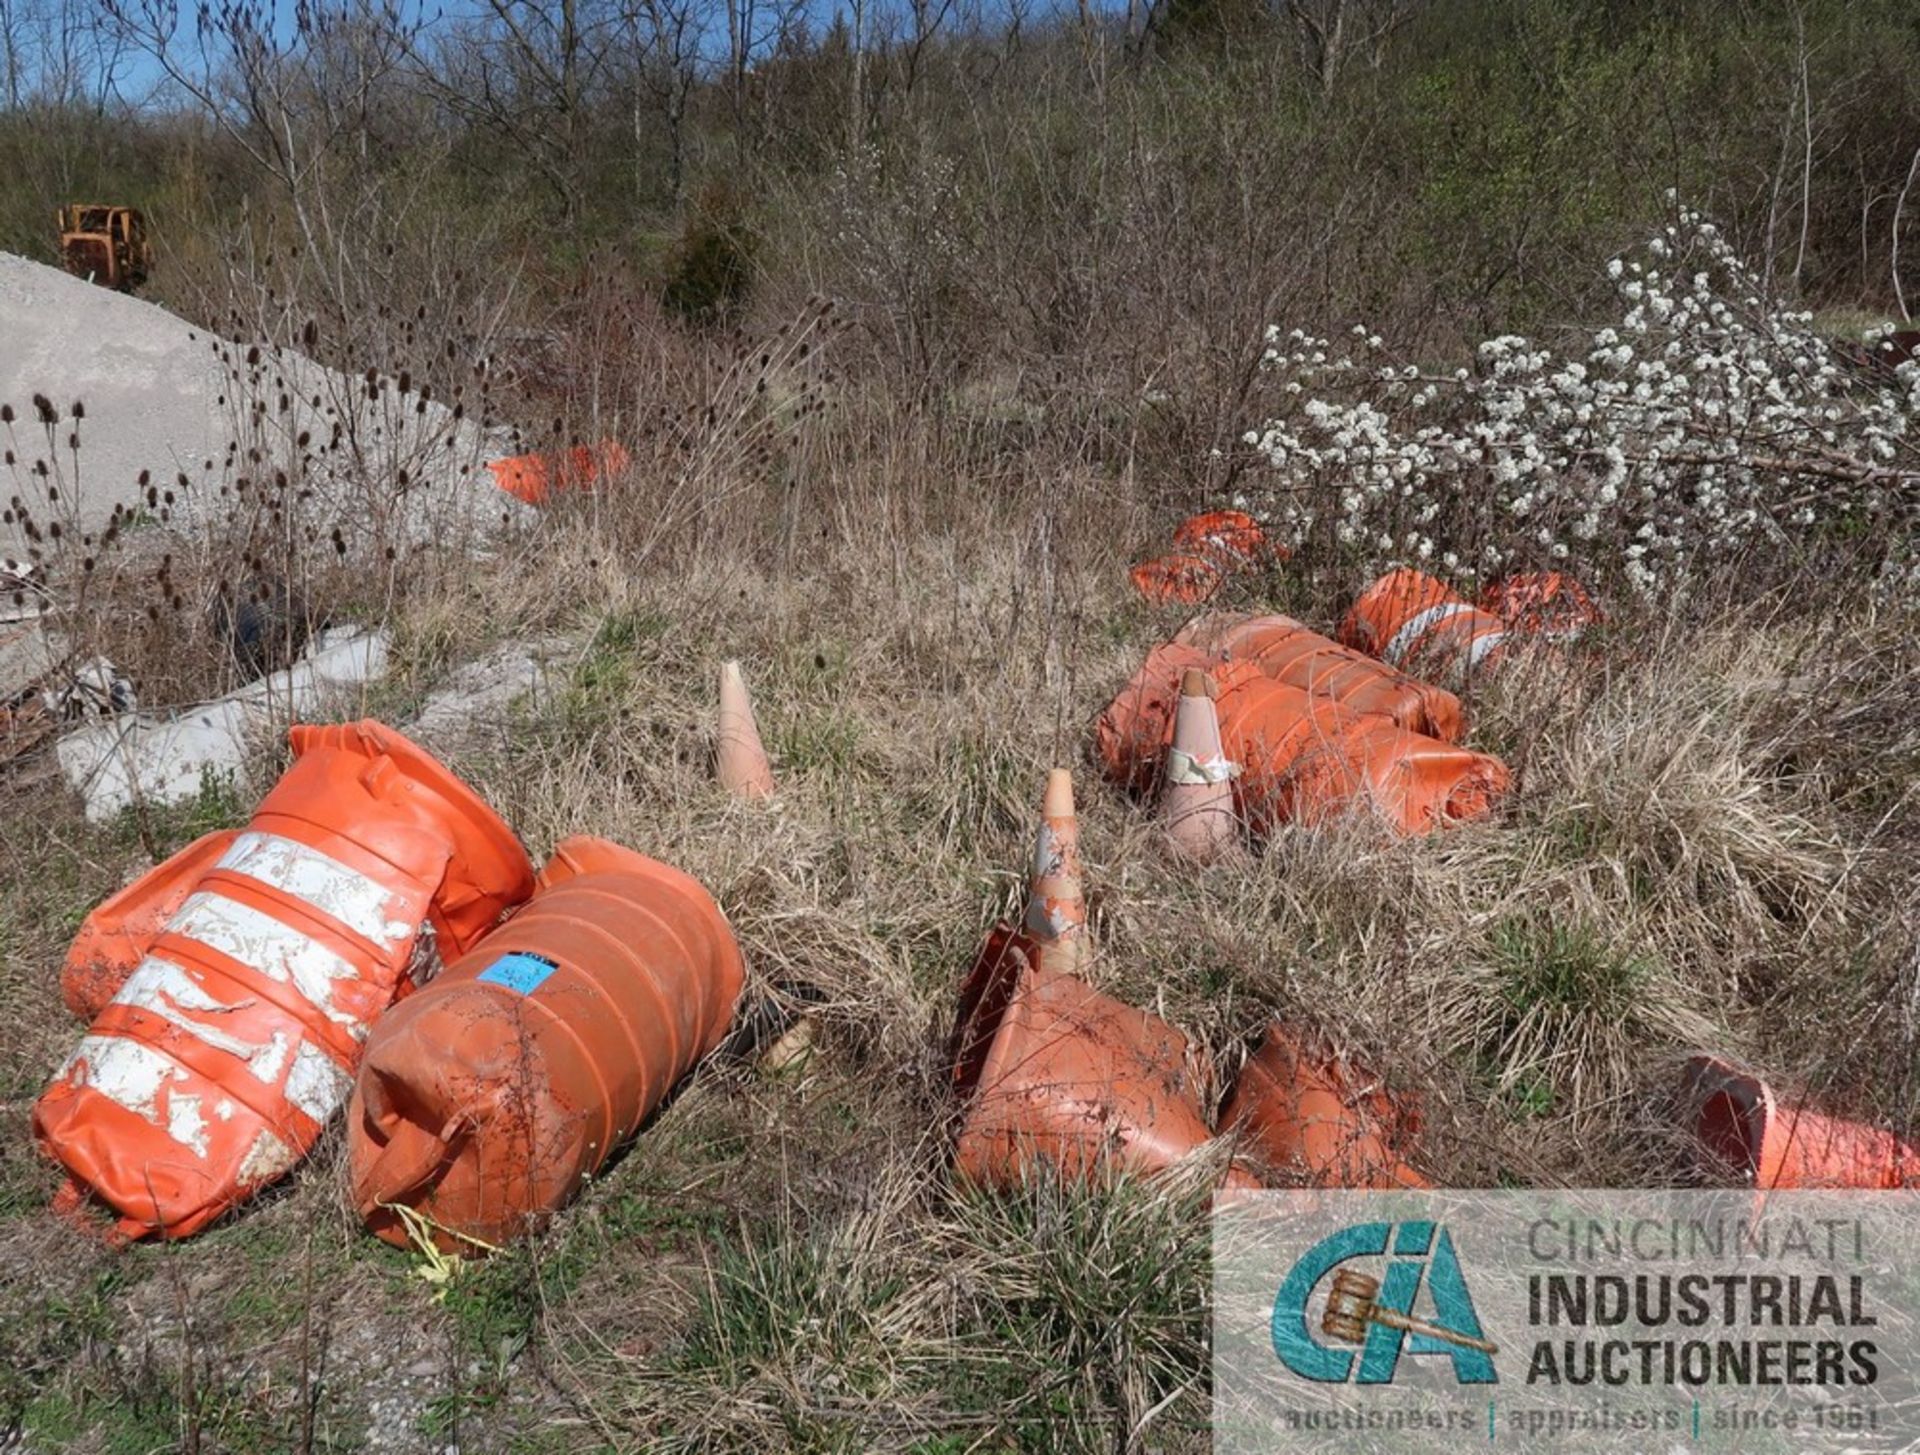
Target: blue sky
[(141, 76)]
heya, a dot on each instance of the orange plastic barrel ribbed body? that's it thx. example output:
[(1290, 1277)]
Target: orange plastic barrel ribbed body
[(486, 1100), (215, 1066), (1303, 758), (1786, 1147), (1312, 1116), (115, 938), (1290, 652), (1053, 1073), (1408, 619)]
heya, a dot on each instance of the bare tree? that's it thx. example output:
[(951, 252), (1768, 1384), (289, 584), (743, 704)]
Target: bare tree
[(57, 54), (1332, 32), (294, 100), (1893, 246), (667, 39), (531, 72)]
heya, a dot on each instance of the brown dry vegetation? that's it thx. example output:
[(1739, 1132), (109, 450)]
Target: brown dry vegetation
[(1711, 844)]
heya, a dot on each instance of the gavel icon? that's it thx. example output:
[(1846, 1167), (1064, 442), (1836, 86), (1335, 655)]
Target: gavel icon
[(1351, 1307)]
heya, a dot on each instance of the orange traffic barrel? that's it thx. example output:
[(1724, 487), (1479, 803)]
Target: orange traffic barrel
[(1409, 619), (487, 1099), (220, 1059), (115, 938), (1303, 758), (1777, 1145), (534, 479), (1313, 1117), (1053, 1074), (1290, 652)]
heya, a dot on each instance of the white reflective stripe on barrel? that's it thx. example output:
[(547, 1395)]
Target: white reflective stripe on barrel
[(1416, 627), (335, 889), (1482, 645), (276, 950), (162, 988)]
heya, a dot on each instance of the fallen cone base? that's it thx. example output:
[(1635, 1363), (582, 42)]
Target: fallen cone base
[(1740, 1122), (1305, 1115), (1050, 1070)]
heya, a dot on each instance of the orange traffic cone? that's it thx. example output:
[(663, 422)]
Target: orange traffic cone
[(1738, 1119), (1196, 805), (743, 766), (1056, 915), (1052, 1073)]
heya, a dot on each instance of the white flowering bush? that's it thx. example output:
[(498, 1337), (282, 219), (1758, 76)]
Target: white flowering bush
[(1706, 422)]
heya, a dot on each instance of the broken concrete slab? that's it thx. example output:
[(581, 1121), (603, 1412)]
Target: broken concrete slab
[(479, 694), (164, 758)]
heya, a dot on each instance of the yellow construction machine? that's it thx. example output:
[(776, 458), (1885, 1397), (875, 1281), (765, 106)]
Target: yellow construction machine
[(105, 244)]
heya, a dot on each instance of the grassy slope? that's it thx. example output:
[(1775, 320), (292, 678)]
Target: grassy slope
[(1703, 848)]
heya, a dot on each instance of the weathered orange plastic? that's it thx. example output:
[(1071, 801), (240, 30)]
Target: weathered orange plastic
[(1312, 1117), (216, 1065), (115, 938), (489, 1097), (1303, 758), (536, 478), (1541, 603), (741, 762), (1054, 1074), (1185, 578), (1207, 549), (1056, 913), (1229, 533), (1290, 652), (1409, 619), (1781, 1146), (1132, 734)]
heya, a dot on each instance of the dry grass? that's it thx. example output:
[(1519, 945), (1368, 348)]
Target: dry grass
[(1707, 847)]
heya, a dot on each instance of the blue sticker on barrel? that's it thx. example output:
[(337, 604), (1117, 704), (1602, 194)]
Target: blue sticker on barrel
[(519, 972)]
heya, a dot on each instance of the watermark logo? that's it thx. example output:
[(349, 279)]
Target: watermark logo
[(1561, 1321), (1375, 1312)]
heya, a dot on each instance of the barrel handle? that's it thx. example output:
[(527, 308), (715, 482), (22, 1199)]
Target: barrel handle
[(412, 1156)]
